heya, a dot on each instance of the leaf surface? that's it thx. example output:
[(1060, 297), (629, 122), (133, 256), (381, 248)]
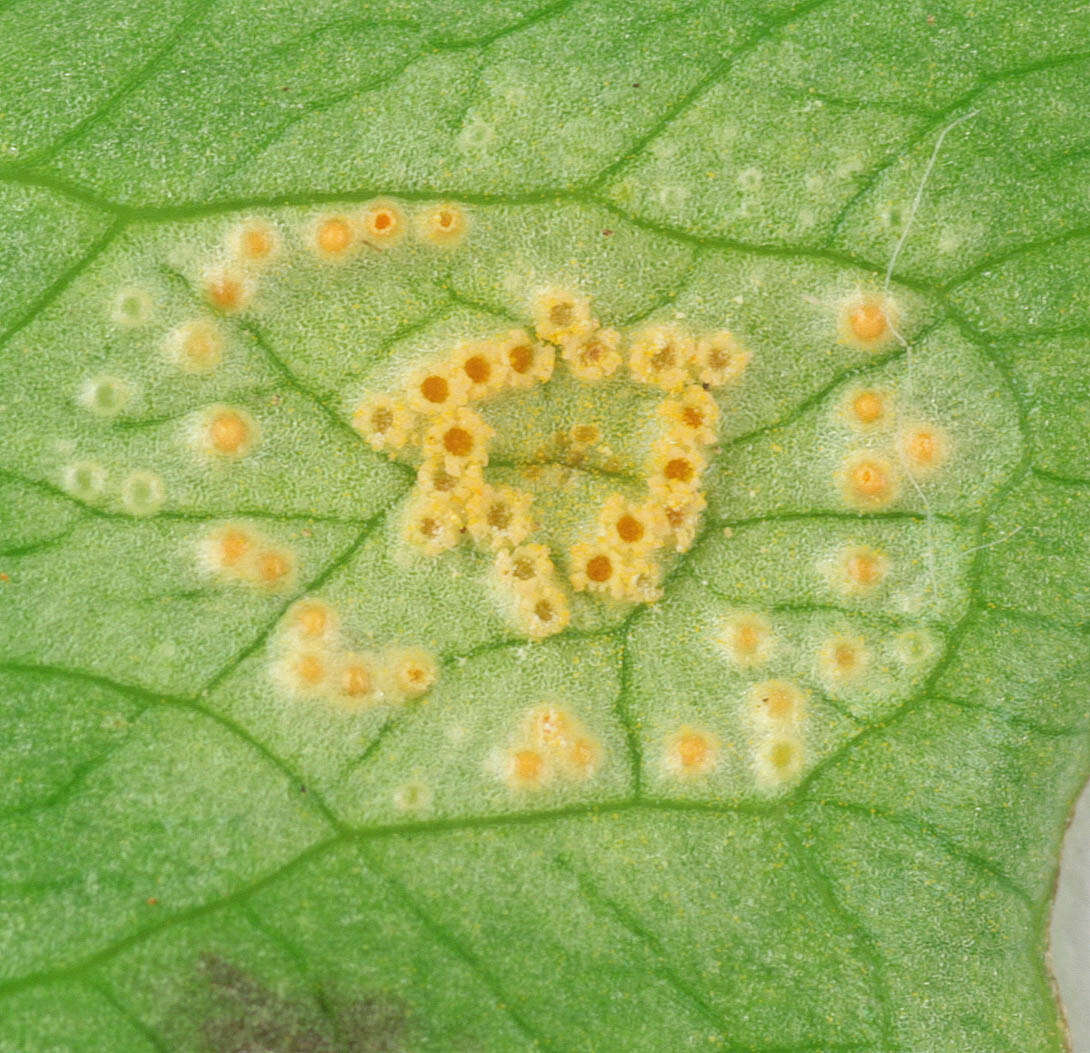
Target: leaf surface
[(207, 847)]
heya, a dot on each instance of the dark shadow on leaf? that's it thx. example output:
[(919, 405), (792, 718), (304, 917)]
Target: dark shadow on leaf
[(248, 1017)]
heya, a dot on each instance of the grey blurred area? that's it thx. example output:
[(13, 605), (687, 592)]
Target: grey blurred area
[(1070, 937)]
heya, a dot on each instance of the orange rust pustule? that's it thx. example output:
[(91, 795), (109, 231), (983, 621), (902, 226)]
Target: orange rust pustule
[(868, 407), (229, 433), (868, 321), (334, 236), (599, 568)]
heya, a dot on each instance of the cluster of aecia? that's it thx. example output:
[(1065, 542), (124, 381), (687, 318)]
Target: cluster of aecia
[(235, 552), (310, 660), (433, 412), (617, 558), (776, 713), (381, 224), (870, 478), (666, 356), (551, 745)]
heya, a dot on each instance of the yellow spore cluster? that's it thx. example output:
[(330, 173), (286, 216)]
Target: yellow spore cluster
[(433, 412), (451, 501), (775, 709), (691, 752), (663, 355), (551, 745), (777, 713), (311, 660), (871, 479), (237, 552)]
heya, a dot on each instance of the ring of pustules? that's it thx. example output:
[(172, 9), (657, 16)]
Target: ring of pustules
[(619, 556)]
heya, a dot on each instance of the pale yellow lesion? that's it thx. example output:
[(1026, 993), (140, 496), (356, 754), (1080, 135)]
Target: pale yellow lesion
[(746, 638), (691, 752), (196, 346), (868, 321), (255, 242), (550, 745)]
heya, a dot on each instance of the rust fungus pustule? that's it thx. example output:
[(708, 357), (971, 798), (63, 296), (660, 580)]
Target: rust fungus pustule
[(382, 223), (779, 761), (227, 289), (842, 658), (255, 242), (274, 568), (196, 347), (924, 447), (858, 569), (867, 408), (333, 237), (444, 224), (746, 637), (777, 703), (868, 481), (691, 752), (868, 322), (228, 432)]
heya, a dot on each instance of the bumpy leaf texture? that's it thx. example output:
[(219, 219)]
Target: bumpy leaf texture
[(321, 733)]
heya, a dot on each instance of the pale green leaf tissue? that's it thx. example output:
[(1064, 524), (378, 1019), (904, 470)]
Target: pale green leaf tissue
[(303, 752)]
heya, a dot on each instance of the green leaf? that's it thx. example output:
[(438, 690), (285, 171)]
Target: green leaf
[(808, 798)]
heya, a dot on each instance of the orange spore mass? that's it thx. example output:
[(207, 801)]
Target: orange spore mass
[(746, 640), (868, 321), (234, 545), (334, 236), (629, 529), (868, 406), (521, 358), (225, 292), (923, 447), (312, 620), (869, 479), (778, 703), (355, 680), (863, 568), (310, 669), (435, 389), (228, 433), (528, 765), (272, 567), (458, 441), (256, 244), (679, 469), (693, 751), (599, 568), (478, 369)]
